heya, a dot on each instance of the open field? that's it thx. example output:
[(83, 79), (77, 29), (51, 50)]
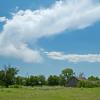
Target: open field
[(50, 93)]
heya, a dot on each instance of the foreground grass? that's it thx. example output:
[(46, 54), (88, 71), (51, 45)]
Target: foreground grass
[(50, 93)]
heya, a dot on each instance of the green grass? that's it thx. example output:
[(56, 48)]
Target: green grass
[(50, 93)]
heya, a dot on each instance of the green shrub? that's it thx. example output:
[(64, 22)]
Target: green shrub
[(88, 84), (15, 86)]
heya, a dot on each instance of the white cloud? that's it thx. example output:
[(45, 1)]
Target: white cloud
[(28, 25), (22, 52), (74, 57), (3, 19)]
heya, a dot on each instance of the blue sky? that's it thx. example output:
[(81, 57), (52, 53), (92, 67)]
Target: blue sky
[(46, 36)]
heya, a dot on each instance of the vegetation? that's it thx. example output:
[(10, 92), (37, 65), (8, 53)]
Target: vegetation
[(67, 73), (9, 78), (53, 80), (92, 78), (14, 87), (49, 93)]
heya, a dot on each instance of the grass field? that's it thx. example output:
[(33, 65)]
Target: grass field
[(50, 93)]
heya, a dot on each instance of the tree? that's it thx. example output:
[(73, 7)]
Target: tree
[(93, 78), (53, 80), (7, 75), (20, 80), (33, 80), (62, 80), (27, 81), (41, 80), (67, 73), (2, 83)]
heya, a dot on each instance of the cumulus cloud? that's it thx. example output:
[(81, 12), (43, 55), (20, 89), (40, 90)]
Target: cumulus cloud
[(74, 57), (22, 53), (27, 25), (3, 19)]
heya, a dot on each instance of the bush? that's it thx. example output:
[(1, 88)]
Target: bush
[(15, 86), (88, 84), (53, 80), (97, 83)]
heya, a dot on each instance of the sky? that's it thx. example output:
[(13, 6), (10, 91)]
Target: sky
[(47, 36)]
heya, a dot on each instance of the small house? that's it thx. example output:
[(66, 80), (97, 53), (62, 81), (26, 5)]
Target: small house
[(72, 82)]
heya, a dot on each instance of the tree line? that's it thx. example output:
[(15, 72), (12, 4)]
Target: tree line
[(9, 78)]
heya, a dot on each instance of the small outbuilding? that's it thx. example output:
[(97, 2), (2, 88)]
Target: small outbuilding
[(72, 82)]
